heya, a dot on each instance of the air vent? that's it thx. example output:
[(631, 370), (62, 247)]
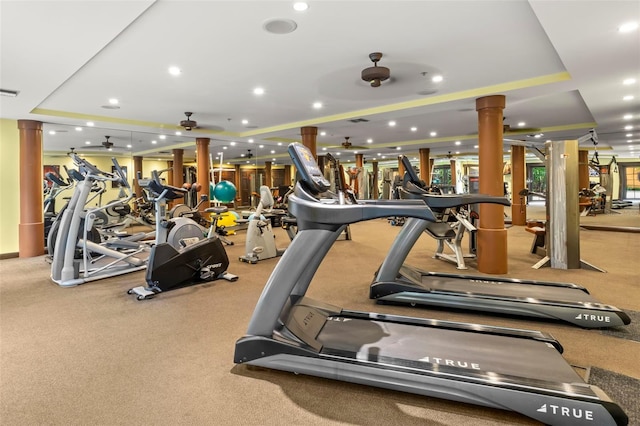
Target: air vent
[(359, 120)]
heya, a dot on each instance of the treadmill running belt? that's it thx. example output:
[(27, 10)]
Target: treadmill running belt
[(432, 348), (524, 292)]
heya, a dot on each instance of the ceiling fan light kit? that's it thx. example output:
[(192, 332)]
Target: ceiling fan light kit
[(375, 75), (188, 124)]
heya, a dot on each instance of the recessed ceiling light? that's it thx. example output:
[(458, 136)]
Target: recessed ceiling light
[(324, 149), (273, 151), (458, 152), (628, 127), (52, 132), (628, 98), (413, 129), (629, 135), (258, 91), (457, 142), (128, 145), (250, 141), (224, 147), (232, 143), (113, 101), (178, 133), (369, 140), (392, 123), (245, 121), (279, 143), (300, 6), (629, 140), (628, 117), (433, 134), (162, 136), (317, 105), (323, 133), (437, 78), (273, 159), (87, 142), (154, 141), (90, 123), (78, 129), (337, 153), (628, 81), (398, 148), (260, 146), (538, 136), (522, 124), (628, 27), (175, 71), (475, 146)]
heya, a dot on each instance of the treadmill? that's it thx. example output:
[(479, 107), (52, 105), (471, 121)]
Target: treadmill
[(396, 282), (505, 368)]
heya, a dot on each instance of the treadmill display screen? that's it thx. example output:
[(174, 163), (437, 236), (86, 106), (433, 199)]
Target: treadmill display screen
[(308, 168)]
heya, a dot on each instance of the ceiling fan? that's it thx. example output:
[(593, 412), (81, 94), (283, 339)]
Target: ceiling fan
[(375, 75), (246, 156), (188, 124), (106, 144), (348, 145)]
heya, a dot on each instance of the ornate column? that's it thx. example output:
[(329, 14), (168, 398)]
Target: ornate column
[(267, 174), (178, 165), (202, 166), (170, 174), (309, 134), (236, 182), (287, 175), (583, 169), (492, 237), (452, 165), (137, 167), (376, 192), (518, 203), (425, 165), (31, 227)]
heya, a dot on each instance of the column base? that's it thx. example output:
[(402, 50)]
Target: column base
[(492, 251), (518, 214), (31, 239)]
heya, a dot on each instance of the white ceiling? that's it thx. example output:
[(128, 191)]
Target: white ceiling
[(560, 65)]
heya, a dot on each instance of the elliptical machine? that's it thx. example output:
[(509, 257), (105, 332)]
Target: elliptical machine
[(178, 261), (261, 243)]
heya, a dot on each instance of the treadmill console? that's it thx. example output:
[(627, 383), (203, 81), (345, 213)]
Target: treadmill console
[(310, 174)]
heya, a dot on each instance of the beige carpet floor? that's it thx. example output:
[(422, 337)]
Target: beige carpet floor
[(93, 355)]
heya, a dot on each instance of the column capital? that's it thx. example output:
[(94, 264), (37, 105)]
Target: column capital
[(494, 101), (29, 125), (309, 130)]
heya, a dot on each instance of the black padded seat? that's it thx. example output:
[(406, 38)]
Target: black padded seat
[(217, 209)]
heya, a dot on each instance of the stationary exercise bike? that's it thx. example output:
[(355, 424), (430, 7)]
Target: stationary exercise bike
[(261, 243), (177, 263)]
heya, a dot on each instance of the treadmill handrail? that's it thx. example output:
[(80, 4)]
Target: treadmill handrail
[(413, 191), (342, 214)]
